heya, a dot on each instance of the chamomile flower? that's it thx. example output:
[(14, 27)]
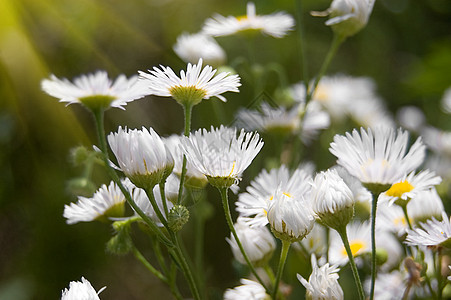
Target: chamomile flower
[(323, 282), (378, 156), (332, 199), (192, 86), (108, 201), (95, 91), (409, 186), (254, 203), (141, 155), (81, 291), (276, 25), (258, 243), (192, 47), (359, 238), (433, 233), (290, 216), (249, 290), (347, 17), (221, 154)]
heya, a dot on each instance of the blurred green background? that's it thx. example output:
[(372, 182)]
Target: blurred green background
[(406, 49)]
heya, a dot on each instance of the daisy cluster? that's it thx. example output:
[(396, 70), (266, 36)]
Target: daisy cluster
[(376, 207)]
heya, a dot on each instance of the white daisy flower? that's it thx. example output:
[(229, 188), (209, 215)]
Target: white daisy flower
[(437, 140), (249, 290), (425, 205), (440, 164), (192, 47), (377, 156), (275, 120), (220, 154), (347, 17), (371, 113), (192, 86), (141, 155), (446, 100), (411, 118), (108, 201), (359, 238), (315, 242), (409, 186), (276, 25), (254, 203), (432, 233), (332, 199), (323, 282), (391, 218), (290, 216), (193, 176), (314, 119), (95, 91), (258, 243), (389, 286), (81, 291)]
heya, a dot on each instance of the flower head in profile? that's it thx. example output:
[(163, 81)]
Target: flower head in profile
[(276, 25), (290, 216), (332, 199), (192, 47), (323, 282), (141, 155), (433, 233), (248, 289), (379, 156), (192, 86), (108, 201), (408, 187), (81, 291), (95, 91), (221, 154), (258, 243), (347, 17)]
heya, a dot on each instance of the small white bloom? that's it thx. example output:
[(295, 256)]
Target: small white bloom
[(389, 286), (437, 140), (106, 202), (220, 154), (192, 86), (377, 156), (258, 243), (411, 118), (332, 199), (249, 290), (276, 25), (409, 186), (323, 282), (95, 90), (254, 203), (446, 100), (347, 17), (371, 113), (314, 119), (192, 47), (81, 291), (359, 237), (315, 242), (141, 155), (425, 205), (290, 216), (431, 233)]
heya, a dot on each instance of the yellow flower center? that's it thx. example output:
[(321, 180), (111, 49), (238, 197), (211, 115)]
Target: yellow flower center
[(398, 189), (355, 246), (287, 194), (400, 221), (321, 94)]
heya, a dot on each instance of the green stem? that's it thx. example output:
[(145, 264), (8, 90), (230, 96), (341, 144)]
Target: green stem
[(301, 34), (225, 204), (373, 243), (148, 266), (187, 109), (406, 215), (99, 117), (172, 281), (283, 258), (163, 198), (270, 273), (155, 207), (439, 274), (336, 42), (344, 237)]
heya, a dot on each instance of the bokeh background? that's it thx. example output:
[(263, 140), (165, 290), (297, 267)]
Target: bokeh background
[(406, 49)]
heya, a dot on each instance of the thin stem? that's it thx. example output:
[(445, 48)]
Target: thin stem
[(282, 260), (172, 280), (406, 215), (148, 266), (225, 204), (163, 198), (270, 273), (187, 109), (344, 237), (439, 274), (301, 34), (336, 42), (373, 243), (155, 207)]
